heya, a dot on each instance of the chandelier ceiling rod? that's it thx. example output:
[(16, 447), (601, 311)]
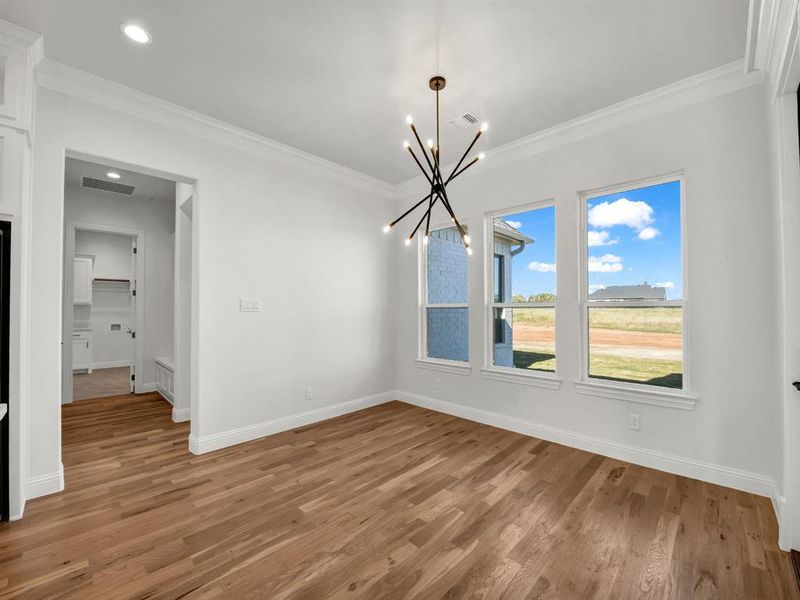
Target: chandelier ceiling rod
[(438, 191)]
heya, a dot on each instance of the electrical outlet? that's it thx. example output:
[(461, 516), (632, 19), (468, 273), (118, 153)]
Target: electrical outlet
[(309, 393), (437, 384), (246, 305), (634, 422)]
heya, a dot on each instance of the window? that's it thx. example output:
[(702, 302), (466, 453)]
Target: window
[(445, 313), (633, 292), (522, 306)]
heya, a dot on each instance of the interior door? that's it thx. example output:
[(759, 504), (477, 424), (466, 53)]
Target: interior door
[(132, 328), (5, 295)]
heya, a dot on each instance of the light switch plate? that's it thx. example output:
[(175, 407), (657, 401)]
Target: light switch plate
[(247, 305)]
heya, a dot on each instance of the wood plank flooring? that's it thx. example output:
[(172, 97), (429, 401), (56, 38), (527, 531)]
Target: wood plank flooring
[(101, 383), (387, 503)]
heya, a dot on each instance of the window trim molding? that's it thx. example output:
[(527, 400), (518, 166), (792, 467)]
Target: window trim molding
[(635, 392), (489, 370), (423, 360)]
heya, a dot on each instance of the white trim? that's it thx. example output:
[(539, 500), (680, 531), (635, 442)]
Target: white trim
[(111, 364), (91, 88), (45, 484), (179, 415), (584, 304), (445, 366), (538, 379), (641, 393), (746, 481), (674, 96), (216, 441), (146, 388)]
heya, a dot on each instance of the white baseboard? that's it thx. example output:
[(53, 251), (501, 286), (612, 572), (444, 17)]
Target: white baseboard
[(746, 481), (146, 388), (179, 415), (111, 364), (209, 443), (44, 484)]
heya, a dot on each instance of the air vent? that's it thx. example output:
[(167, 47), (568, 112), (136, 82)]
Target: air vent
[(108, 186), (465, 122)]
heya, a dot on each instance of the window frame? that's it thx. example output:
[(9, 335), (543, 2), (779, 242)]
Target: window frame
[(423, 360), (622, 390), (533, 377)]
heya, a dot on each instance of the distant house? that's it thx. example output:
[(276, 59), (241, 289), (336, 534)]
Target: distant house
[(448, 328), (643, 291)]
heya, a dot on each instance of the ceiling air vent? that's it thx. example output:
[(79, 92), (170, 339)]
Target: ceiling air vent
[(465, 121), (108, 186)]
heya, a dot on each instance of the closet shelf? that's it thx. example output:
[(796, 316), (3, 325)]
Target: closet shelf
[(110, 280)]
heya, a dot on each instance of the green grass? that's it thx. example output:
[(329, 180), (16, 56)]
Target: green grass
[(651, 320), (665, 373)]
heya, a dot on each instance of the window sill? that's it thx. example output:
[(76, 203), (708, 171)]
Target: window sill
[(445, 366), (540, 380), (643, 395)]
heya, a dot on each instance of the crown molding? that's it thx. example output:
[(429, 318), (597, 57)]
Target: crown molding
[(85, 86), (686, 92), (773, 44)]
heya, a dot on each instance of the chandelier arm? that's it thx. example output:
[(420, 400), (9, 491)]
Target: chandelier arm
[(469, 164), (424, 216), (461, 160), (419, 164), (421, 146), (410, 210), (449, 209)]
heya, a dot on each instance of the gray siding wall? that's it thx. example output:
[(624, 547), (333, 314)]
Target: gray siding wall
[(504, 352)]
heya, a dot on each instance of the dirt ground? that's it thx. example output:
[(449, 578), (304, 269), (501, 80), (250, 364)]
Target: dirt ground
[(640, 344)]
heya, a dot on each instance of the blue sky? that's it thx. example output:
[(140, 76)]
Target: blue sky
[(634, 237)]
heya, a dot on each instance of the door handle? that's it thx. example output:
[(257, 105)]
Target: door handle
[(796, 385)]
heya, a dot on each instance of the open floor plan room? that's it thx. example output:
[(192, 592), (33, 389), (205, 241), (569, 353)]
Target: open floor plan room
[(399, 300)]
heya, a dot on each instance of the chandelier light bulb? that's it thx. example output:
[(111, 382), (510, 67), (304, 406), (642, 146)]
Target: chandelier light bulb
[(484, 127), (408, 241), (469, 250), (425, 240), (387, 228), (406, 145), (482, 155), (409, 119), (467, 239)]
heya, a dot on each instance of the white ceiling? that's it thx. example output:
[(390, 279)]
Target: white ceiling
[(337, 78), (147, 186)]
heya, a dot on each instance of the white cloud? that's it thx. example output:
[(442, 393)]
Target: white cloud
[(608, 263), (600, 238), (515, 224), (635, 214), (648, 233), (542, 267), (666, 284), (593, 287)]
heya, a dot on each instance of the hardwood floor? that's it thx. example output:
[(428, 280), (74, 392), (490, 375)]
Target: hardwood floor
[(390, 502), (101, 383)]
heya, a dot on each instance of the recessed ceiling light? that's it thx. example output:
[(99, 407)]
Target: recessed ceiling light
[(137, 33), (112, 175)]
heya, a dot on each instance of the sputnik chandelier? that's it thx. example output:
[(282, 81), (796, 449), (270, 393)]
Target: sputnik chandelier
[(433, 174)]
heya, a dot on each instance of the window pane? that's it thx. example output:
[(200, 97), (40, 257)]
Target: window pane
[(528, 338), (526, 243), (634, 244), (447, 267), (448, 333), (641, 345)]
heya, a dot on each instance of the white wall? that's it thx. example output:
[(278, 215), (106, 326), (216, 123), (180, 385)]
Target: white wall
[(308, 245), (733, 328), (157, 219)]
